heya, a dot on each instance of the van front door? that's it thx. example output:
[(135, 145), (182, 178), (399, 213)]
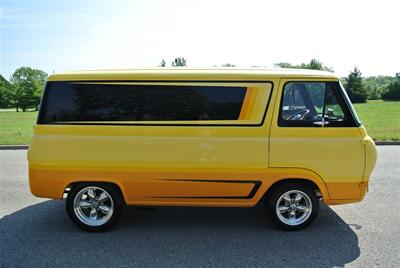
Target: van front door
[(313, 128)]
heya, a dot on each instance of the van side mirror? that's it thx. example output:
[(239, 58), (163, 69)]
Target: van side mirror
[(329, 112)]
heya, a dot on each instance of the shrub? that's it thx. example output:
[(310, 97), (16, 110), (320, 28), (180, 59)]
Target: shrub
[(393, 92), (355, 87)]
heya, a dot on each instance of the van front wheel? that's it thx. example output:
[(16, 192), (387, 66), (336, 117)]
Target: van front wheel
[(94, 206), (293, 206)]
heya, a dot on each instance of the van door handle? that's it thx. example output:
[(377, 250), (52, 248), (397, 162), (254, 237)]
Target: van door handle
[(321, 123)]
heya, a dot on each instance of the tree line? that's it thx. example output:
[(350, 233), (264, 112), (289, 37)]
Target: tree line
[(360, 89), (24, 89), (25, 86)]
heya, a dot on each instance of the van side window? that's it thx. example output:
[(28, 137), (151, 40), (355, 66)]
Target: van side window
[(314, 104), (74, 102)]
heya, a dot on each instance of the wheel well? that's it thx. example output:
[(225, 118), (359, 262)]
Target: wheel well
[(69, 186), (305, 182)]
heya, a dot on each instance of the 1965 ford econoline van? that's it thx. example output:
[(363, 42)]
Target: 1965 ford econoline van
[(183, 137)]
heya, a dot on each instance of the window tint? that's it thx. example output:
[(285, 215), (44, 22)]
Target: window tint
[(314, 104), (80, 102)]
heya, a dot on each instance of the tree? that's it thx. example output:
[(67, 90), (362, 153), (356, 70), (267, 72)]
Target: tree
[(180, 61), (285, 65), (355, 87), (5, 88), (377, 85), (393, 90), (27, 86), (228, 65), (23, 94), (314, 64), (162, 64)]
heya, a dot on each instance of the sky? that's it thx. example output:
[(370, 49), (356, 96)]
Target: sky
[(78, 35)]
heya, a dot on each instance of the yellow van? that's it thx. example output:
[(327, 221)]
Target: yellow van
[(185, 137)]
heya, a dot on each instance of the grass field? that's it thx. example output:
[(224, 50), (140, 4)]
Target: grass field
[(16, 128), (382, 120)]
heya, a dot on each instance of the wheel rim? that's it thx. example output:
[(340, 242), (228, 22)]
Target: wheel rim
[(294, 207), (93, 206)]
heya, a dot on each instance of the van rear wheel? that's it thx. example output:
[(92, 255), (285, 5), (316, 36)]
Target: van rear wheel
[(293, 206), (94, 206)]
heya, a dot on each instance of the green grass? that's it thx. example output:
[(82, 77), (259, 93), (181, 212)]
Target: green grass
[(16, 128), (381, 119)]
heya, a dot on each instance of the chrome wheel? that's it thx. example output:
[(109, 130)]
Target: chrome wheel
[(293, 207), (93, 206)]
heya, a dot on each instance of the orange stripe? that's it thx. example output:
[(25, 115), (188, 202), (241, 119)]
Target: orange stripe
[(246, 103), (254, 107)]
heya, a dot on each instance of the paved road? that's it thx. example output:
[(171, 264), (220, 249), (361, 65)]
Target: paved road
[(36, 232)]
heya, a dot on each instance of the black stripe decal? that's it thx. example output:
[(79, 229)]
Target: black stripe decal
[(252, 193)]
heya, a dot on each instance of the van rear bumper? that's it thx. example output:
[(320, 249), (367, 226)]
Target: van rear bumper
[(346, 192)]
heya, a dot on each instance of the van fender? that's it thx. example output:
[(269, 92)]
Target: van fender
[(276, 175)]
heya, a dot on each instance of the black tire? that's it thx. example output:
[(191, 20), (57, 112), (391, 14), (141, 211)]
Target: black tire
[(115, 197), (291, 187)]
